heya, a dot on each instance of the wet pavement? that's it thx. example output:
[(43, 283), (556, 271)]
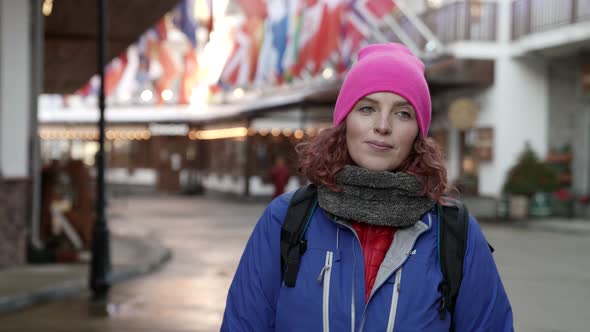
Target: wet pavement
[(545, 273), (188, 294)]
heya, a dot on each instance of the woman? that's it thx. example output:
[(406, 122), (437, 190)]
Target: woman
[(371, 259)]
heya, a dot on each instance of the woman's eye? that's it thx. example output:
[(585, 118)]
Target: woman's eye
[(404, 114), (366, 109)]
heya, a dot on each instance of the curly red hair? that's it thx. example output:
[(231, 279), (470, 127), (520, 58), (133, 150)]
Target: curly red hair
[(322, 157)]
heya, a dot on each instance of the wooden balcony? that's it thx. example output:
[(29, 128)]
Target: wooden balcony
[(533, 16), (457, 21)]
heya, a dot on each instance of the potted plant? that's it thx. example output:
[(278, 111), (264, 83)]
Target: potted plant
[(564, 202), (529, 185), (561, 156), (584, 204)]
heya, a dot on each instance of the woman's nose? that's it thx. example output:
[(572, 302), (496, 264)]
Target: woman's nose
[(383, 127)]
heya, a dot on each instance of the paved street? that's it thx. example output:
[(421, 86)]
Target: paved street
[(546, 274)]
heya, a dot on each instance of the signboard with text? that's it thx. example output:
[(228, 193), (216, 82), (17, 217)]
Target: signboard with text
[(484, 145)]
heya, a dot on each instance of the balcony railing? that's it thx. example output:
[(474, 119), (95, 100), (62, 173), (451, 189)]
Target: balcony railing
[(532, 16), (457, 21)]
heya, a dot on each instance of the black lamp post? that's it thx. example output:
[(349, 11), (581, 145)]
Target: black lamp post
[(100, 267)]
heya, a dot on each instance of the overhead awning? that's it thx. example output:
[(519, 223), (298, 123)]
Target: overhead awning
[(449, 72), (70, 49)]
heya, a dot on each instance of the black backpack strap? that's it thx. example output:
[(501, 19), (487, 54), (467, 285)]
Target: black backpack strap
[(299, 213), (452, 243)]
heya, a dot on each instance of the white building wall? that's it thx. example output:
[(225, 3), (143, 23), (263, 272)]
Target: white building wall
[(518, 109), (563, 104), (15, 87), (488, 118), (581, 148), (569, 116)]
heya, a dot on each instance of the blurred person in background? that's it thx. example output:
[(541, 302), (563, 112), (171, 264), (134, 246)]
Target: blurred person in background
[(279, 175), (370, 260)]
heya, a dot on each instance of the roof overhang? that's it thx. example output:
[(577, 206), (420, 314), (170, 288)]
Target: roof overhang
[(70, 43), (447, 73), (249, 106)]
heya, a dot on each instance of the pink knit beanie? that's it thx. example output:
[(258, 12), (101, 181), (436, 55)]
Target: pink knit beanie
[(386, 68)]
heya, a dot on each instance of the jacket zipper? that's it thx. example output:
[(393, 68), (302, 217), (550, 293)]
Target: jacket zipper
[(352, 303), (401, 264), (325, 274), (394, 300)]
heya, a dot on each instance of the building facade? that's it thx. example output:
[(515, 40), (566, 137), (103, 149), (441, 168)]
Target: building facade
[(538, 96), (503, 74)]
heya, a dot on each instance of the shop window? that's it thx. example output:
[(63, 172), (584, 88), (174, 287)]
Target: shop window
[(476, 147)]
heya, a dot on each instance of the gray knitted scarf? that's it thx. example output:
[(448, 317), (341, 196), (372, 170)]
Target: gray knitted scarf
[(376, 197)]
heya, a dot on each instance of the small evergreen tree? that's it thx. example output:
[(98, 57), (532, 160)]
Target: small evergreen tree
[(530, 175)]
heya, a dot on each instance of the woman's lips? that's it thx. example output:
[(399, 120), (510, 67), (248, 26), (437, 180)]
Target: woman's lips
[(379, 146)]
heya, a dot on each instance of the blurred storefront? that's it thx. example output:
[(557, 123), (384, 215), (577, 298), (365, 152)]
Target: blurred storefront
[(194, 154)]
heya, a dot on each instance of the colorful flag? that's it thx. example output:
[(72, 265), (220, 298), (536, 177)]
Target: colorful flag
[(113, 73), (279, 42), (169, 69), (142, 76), (311, 18), (163, 68), (294, 14), (361, 20), (240, 68), (255, 32), (210, 22), (189, 77), (377, 8), (90, 88), (127, 83), (237, 68), (161, 29), (185, 20), (354, 31), (327, 39), (254, 8), (269, 67)]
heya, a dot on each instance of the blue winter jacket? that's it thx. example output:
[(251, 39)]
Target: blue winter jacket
[(329, 294)]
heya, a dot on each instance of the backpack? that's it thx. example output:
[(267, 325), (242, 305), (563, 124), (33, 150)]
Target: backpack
[(452, 242)]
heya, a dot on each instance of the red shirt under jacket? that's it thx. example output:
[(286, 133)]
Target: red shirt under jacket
[(375, 241)]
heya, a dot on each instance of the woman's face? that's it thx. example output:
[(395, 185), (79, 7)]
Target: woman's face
[(380, 131)]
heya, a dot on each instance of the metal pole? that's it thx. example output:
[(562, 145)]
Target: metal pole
[(35, 150), (247, 168), (100, 267)]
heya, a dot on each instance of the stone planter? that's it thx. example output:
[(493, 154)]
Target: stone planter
[(519, 207), (540, 205)]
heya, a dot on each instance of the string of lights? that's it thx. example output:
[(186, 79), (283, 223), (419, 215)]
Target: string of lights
[(146, 134)]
